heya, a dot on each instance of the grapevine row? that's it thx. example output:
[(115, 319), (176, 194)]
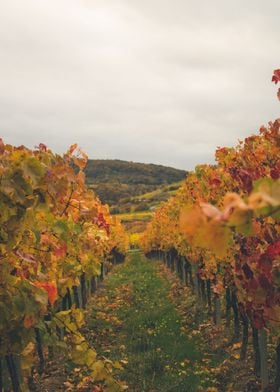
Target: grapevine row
[(56, 240), (221, 234)]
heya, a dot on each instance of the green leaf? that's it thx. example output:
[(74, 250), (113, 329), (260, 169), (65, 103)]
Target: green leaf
[(42, 297), (19, 304), (33, 169)]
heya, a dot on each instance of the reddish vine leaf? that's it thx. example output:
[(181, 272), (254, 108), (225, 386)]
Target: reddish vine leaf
[(276, 76), (29, 321), (60, 251), (203, 232), (273, 250), (50, 288), (42, 147), (276, 79)]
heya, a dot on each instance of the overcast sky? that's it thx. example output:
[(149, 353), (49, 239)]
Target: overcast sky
[(145, 80)]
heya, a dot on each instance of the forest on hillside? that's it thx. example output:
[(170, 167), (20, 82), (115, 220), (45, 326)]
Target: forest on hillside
[(114, 180)]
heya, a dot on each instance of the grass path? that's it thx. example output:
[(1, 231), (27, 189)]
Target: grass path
[(133, 321)]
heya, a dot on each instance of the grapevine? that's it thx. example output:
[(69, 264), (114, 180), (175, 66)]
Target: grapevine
[(221, 233), (56, 238)]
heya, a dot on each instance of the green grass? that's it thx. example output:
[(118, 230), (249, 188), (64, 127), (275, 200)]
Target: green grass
[(146, 201), (160, 357), (165, 189), (131, 216)]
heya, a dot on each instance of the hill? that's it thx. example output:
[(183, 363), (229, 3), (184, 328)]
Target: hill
[(117, 182), (132, 190), (138, 212)]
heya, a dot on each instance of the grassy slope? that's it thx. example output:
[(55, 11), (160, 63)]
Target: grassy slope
[(136, 219), (132, 216)]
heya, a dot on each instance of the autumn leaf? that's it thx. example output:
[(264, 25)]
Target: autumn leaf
[(50, 288), (205, 233), (61, 250), (276, 79), (276, 76), (72, 148), (2, 146), (190, 221), (42, 147), (211, 211), (236, 346), (273, 250), (29, 321), (26, 256), (218, 288)]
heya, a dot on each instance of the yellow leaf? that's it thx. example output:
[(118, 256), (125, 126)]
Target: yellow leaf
[(98, 370), (27, 357), (117, 365), (205, 233), (79, 316), (236, 345), (28, 349)]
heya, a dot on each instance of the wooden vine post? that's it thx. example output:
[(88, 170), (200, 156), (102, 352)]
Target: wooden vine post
[(263, 358)]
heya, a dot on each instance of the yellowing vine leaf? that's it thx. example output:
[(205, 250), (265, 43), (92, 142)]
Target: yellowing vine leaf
[(206, 233)]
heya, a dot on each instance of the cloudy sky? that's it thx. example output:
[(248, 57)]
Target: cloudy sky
[(150, 81)]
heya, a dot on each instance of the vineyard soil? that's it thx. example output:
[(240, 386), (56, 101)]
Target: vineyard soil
[(143, 319)]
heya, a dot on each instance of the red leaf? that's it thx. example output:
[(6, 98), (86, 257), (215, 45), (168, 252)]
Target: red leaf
[(215, 181), (276, 79), (42, 147), (273, 250), (28, 321), (50, 288), (275, 172), (101, 222), (246, 180), (264, 282), (61, 251), (265, 264), (253, 284), (276, 76)]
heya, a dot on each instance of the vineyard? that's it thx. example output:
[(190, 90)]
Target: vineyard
[(57, 240), (213, 263), (221, 234)]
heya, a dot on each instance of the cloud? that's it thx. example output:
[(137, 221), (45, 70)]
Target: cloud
[(151, 81)]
